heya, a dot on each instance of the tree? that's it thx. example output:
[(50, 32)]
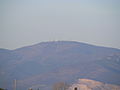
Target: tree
[(2, 89), (60, 86)]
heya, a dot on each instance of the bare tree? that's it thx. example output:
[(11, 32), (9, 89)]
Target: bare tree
[(60, 86)]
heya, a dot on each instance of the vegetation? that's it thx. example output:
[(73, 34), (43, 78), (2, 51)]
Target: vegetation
[(60, 86), (2, 89)]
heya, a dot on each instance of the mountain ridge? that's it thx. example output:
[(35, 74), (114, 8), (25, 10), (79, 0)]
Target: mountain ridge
[(85, 43), (49, 62)]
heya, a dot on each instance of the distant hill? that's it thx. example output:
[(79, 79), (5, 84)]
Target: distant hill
[(43, 64), (87, 84)]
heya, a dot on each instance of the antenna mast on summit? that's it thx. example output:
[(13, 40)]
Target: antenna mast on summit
[(15, 84)]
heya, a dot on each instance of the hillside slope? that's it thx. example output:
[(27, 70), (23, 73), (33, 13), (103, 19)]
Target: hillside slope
[(49, 62)]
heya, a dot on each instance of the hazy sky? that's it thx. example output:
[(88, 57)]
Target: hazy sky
[(26, 22)]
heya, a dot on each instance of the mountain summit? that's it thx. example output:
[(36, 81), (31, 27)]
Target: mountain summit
[(49, 62)]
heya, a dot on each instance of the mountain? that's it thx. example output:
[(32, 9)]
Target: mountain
[(42, 65), (87, 84)]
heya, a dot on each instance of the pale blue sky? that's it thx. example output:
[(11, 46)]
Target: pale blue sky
[(26, 22)]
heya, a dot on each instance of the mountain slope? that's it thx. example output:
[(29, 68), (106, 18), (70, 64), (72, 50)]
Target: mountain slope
[(49, 62)]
